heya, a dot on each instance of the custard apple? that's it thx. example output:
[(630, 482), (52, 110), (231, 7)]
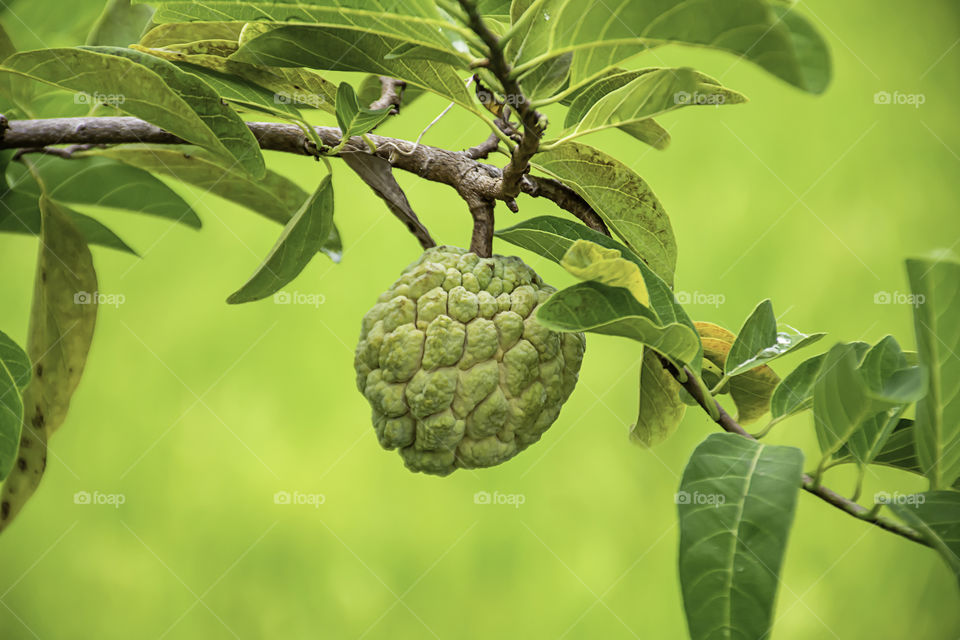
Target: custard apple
[(457, 369)]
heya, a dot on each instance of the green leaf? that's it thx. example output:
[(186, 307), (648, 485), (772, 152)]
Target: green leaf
[(936, 288), (302, 237), (98, 181), (609, 33), (243, 93), (345, 50), (545, 79), (759, 342), (274, 197), (661, 409), (174, 33), (620, 197), (840, 399), (598, 308), (736, 501), (353, 118), (20, 213), (650, 93), (581, 101), (410, 23), (120, 24), (794, 394), (591, 262), (63, 316), (16, 360), (936, 515), (153, 89), (11, 418), (61, 329), (552, 237), (751, 392)]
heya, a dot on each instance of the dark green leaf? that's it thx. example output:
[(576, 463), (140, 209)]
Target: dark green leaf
[(620, 197), (936, 288), (153, 89), (795, 392), (736, 501), (11, 416), (301, 239), (598, 308), (98, 181), (610, 33)]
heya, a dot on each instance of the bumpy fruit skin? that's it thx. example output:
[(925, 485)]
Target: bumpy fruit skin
[(457, 369)]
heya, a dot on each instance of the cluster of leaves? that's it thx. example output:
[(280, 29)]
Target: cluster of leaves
[(193, 68), (737, 496)]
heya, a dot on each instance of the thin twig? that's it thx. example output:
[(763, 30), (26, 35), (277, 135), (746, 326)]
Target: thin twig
[(391, 93), (824, 493), (484, 149)]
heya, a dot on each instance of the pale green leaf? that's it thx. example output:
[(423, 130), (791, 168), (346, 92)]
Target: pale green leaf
[(15, 359), (648, 94), (120, 24), (592, 262), (736, 501), (621, 197), (353, 118), (11, 417), (661, 409), (935, 285), (759, 342)]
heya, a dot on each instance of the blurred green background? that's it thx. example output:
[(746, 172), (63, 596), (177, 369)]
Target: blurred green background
[(198, 412)]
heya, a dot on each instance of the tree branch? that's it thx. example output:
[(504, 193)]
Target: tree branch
[(391, 93), (824, 493), (533, 122)]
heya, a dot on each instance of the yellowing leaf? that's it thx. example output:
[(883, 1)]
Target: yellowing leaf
[(589, 261)]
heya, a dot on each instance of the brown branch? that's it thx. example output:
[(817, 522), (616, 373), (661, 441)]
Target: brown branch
[(481, 242), (533, 122), (564, 198), (824, 493), (391, 93), (483, 149)]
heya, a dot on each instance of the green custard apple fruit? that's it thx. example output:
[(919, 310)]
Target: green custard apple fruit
[(457, 369)]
